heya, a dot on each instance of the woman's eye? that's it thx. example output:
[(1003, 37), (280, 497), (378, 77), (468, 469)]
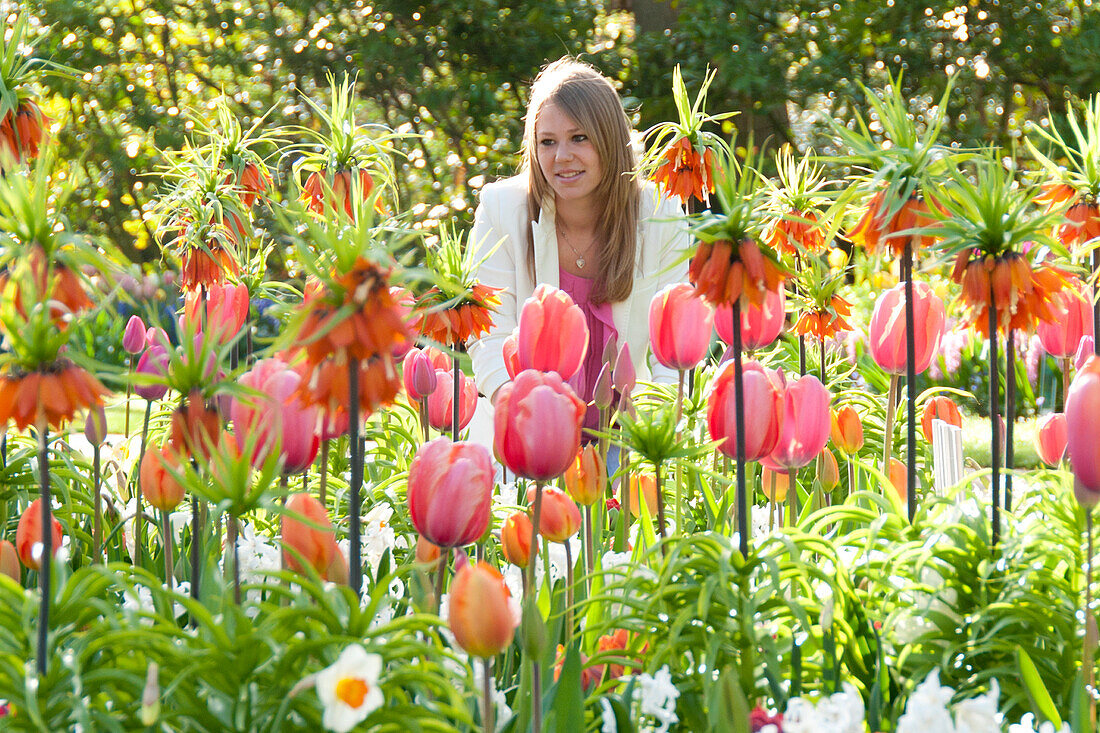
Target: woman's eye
[(547, 141), (580, 138)]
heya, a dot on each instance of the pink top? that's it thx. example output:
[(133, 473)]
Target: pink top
[(601, 329)]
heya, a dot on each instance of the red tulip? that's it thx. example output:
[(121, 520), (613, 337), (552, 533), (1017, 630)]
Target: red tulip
[(133, 338), (511, 354), (553, 333), (586, 476), (559, 517), (887, 333), (1072, 321), (537, 425), (159, 487), (226, 309), (804, 424), (939, 407), (418, 374), (277, 416), (680, 325), (1082, 408), (313, 543), (480, 614), (1051, 437), (9, 560), (441, 401), (450, 489), (760, 324), (28, 535), (847, 430), (763, 409), (515, 539)]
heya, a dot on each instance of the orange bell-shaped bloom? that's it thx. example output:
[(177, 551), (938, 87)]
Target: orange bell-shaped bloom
[(724, 272), (56, 393), (469, 319), (797, 230), (877, 229), (825, 323), (686, 172), (1082, 224)]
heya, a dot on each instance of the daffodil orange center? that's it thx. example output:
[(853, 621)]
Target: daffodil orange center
[(352, 690)]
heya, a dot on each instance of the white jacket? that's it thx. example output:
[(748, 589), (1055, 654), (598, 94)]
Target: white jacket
[(502, 219)]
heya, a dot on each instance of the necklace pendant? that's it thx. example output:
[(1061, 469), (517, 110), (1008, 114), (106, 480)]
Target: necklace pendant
[(580, 263)]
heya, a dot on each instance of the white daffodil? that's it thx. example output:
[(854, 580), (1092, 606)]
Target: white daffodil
[(349, 688)]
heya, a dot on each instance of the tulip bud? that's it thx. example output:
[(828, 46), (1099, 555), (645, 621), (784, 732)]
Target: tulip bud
[(941, 408), (158, 486), (559, 518), (610, 351), (511, 356), (95, 425), (28, 536), (828, 473), (133, 339), (680, 324), (426, 552), (586, 476), (9, 560), (441, 401), (624, 377), (603, 395), (418, 375), (534, 636), (775, 484), (150, 696), (480, 613), (1051, 437), (899, 478), (515, 539), (643, 485), (847, 430)]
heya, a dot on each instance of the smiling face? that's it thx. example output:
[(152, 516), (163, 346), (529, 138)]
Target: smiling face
[(566, 155)]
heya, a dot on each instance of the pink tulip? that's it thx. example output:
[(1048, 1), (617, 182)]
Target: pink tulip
[(511, 356), (760, 324), (805, 423), (763, 410), (441, 401), (1072, 321), (1082, 407), (887, 332), (133, 339), (450, 489), (1051, 436), (680, 325), (418, 374), (154, 362), (277, 416), (226, 309), (537, 425), (1084, 351), (553, 333)]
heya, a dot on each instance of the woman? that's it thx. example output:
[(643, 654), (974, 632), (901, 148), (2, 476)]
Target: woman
[(576, 218)]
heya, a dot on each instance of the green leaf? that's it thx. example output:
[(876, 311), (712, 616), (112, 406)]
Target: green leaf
[(729, 709), (568, 703), (1036, 690)]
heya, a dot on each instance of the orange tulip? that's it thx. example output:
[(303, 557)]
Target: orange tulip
[(28, 535), (614, 643), (586, 476), (480, 613), (158, 486), (426, 552), (307, 543), (829, 473), (847, 430), (560, 518), (643, 485), (939, 407), (9, 560), (899, 478), (775, 484), (515, 539)]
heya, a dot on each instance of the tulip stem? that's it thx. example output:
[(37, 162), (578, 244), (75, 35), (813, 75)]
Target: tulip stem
[(166, 533), (424, 424), (679, 488), (624, 503), (354, 496), (568, 592), (910, 384), (137, 494), (888, 431), (536, 696), (45, 561), (995, 428), (129, 387), (440, 576), (589, 548), (660, 505), (739, 407), (232, 531), (487, 695), (196, 533), (1010, 414), (536, 511), (1095, 304), (801, 355), (1067, 364), (97, 507)]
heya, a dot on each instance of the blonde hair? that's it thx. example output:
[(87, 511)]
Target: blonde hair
[(589, 99)]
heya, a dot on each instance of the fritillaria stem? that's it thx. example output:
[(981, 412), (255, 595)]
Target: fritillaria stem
[(910, 385), (995, 443), (196, 547), (487, 695), (231, 533), (354, 496), (456, 397), (739, 407), (45, 561), (822, 344), (1088, 658), (1095, 304), (1010, 414), (97, 507), (888, 432)]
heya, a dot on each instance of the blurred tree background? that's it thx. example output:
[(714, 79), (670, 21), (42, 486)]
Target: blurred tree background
[(455, 72)]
